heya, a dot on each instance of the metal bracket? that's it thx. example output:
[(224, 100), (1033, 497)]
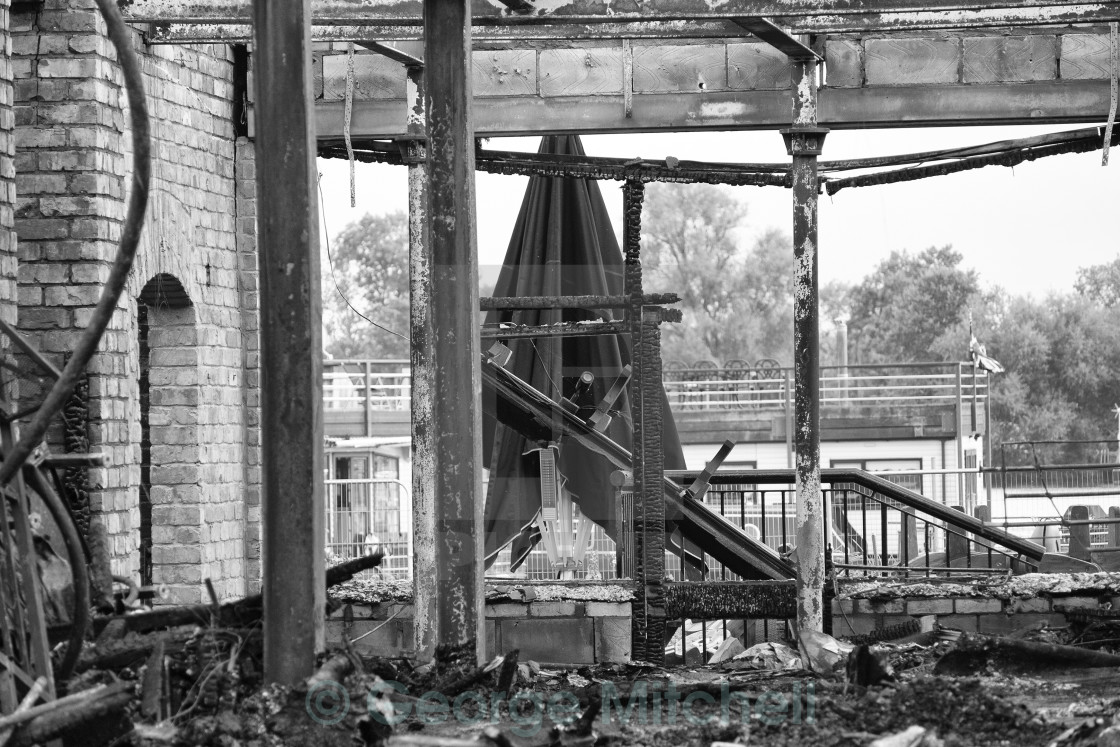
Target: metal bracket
[(804, 141), (413, 151)]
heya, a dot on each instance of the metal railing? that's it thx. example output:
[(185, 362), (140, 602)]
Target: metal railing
[(375, 385), (384, 385), (367, 515), (873, 527), (706, 386)]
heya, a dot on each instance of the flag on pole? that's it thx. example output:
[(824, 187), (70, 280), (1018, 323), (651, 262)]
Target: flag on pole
[(980, 357)]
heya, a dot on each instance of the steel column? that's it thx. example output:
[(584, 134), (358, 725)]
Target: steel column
[(291, 344), (455, 347), (425, 593), (803, 141)]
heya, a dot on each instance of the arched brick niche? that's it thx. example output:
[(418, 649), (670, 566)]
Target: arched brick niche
[(171, 499)]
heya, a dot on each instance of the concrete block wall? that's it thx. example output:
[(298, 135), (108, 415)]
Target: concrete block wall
[(73, 146), (972, 614), (552, 632)]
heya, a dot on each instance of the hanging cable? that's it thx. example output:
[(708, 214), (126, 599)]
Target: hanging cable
[(544, 368), (330, 261)]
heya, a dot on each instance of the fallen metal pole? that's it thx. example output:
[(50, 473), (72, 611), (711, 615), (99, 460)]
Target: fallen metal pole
[(455, 349), (804, 141), (291, 344)]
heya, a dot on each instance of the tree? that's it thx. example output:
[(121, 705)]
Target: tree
[(369, 266), (737, 301), (907, 303), (1100, 283)]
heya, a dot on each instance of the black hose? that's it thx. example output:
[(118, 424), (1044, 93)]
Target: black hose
[(87, 343), (76, 556)]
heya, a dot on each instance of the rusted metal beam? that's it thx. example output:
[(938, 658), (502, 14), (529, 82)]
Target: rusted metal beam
[(291, 344), (495, 12), (574, 302), (394, 54), (1045, 102), (981, 18), (455, 348), (231, 33), (804, 141), (778, 38)]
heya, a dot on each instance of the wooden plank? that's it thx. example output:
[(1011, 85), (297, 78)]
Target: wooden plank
[(691, 67), (505, 72), (375, 77), (844, 63), (757, 67), (1085, 57), (291, 345), (593, 71), (1042, 102), (912, 61), (997, 59)]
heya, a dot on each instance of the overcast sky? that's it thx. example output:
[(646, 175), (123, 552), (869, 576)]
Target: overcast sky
[(1027, 229)]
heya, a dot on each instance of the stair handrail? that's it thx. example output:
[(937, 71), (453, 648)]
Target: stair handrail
[(888, 489)]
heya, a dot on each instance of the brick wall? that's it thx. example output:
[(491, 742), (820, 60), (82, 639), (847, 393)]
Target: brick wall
[(74, 146), (250, 304), (7, 179)]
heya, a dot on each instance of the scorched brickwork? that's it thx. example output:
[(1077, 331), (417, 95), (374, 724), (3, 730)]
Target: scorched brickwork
[(195, 277)]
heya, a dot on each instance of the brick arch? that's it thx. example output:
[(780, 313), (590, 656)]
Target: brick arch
[(164, 291), (170, 488)]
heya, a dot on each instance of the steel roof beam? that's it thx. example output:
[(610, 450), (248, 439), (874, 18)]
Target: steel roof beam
[(392, 53), (769, 32), (232, 33), (865, 14)]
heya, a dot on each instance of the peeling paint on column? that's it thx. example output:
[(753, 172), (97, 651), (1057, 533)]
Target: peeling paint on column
[(804, 143)]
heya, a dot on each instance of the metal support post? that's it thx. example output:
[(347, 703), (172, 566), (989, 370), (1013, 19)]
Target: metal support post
[(291, 344), (648, 621), (425, 593), (455, 346), (804, 141)]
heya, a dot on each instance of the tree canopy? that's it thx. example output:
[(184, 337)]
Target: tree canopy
[(1061, 352), (901, 310), (369, 266)]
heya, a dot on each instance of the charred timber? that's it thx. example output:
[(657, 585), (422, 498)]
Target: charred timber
[(574, 302), (1012, 157), (240, 613), (731, 600)]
